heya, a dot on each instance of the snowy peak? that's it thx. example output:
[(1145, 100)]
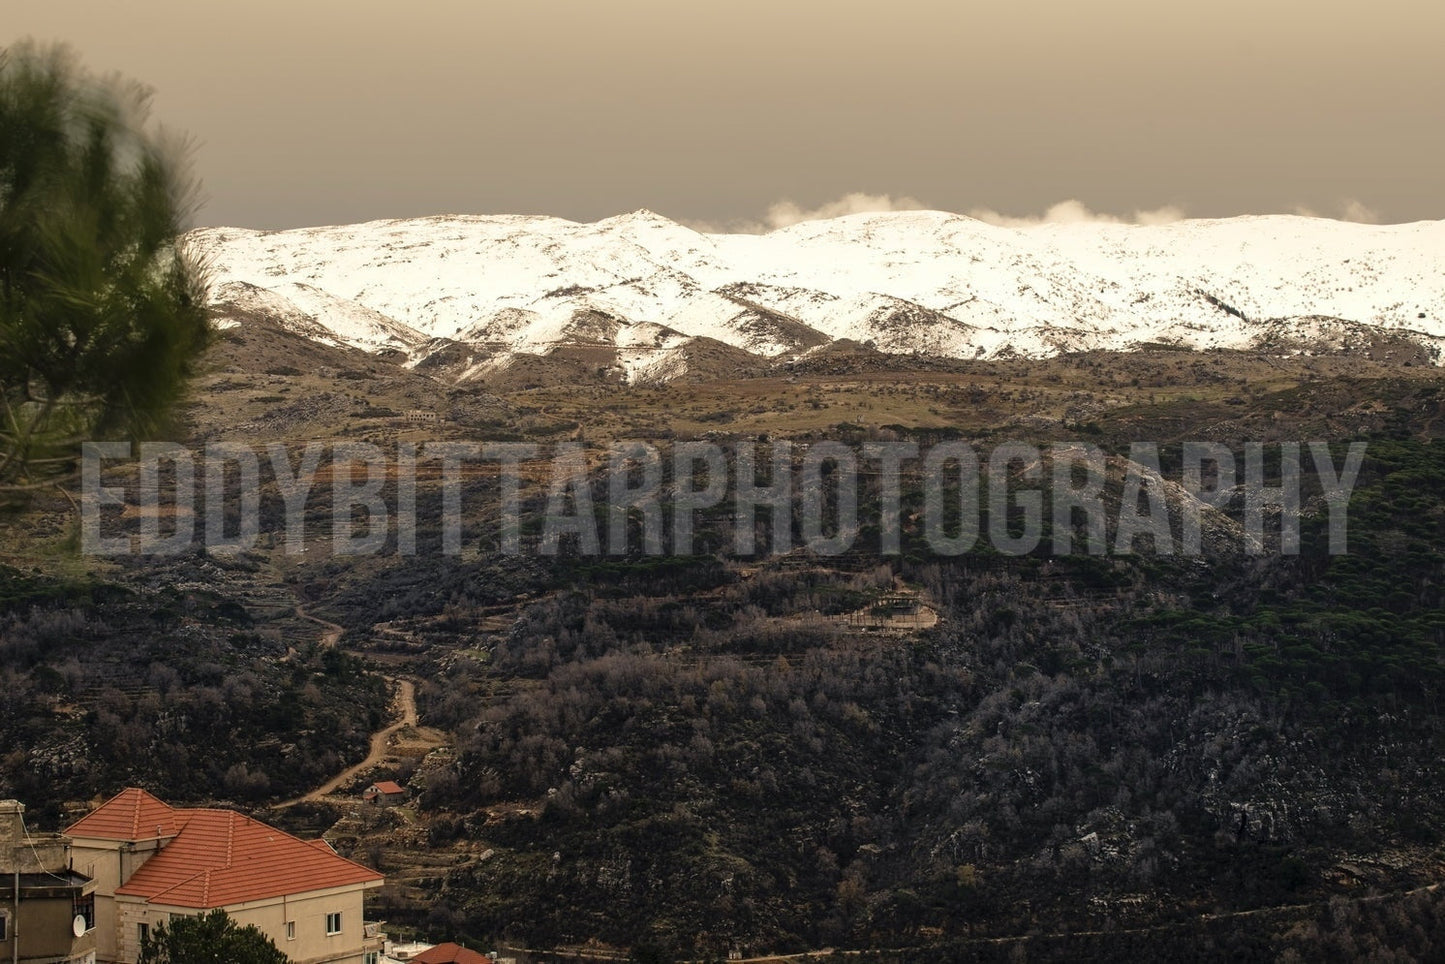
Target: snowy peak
[(637, 289)]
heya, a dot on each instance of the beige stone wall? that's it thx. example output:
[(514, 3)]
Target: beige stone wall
[(100, 861), (11, 812), (311, 945), (110, 863), (124, 944)]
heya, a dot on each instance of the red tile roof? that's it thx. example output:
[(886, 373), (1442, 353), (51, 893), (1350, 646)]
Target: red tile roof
[(450, 954), (220, 857), (388, 786), (131, 814)]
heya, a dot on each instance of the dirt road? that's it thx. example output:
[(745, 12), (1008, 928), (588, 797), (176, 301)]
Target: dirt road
[(380, 746), (330, 632), (403, 716)]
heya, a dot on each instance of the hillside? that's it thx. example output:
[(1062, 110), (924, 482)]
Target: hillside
[(790, 752)]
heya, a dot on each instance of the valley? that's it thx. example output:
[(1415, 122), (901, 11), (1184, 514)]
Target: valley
[(776, 753)]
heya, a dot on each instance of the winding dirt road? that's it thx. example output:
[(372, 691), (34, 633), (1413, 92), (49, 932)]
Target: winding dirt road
[(330, 632), (380, 748), (404, 710)]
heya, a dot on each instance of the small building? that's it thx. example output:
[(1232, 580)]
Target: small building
[(384, 793), (421, 416), (47, 909), (401, 952)]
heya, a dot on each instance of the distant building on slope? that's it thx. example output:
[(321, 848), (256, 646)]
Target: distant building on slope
[(152, 862), (400, 952), (384, 793)]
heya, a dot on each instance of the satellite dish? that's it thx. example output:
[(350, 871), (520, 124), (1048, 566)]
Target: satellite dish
[(77, 926)]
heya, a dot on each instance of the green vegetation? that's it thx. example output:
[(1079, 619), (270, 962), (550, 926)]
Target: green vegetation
[(213, 938), (102, 315)]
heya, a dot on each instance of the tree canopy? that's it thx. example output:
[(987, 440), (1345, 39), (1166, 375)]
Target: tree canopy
[(210, 939), (102, 310)]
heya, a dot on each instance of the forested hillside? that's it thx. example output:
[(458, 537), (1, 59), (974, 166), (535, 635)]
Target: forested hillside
[(780, 752)]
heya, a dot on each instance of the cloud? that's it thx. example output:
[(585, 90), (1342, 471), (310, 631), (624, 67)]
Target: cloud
[(1349, 209), (1356, 210), (1075, 212), (785, 213)]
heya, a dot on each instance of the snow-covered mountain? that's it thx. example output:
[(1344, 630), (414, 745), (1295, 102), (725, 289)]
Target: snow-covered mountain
[(642, 294)]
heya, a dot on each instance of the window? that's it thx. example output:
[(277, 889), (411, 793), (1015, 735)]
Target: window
[(371, 958), (85, 907), (333, 923), (290, 930), (143, 933), (4, 927)]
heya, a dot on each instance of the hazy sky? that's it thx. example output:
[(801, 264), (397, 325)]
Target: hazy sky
[(310, 112)]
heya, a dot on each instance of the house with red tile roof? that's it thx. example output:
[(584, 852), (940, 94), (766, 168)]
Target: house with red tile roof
[(152, 862), (384, 793), (450, 953)]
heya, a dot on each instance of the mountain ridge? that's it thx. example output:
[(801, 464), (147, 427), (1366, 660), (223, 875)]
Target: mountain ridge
[(916, 282)]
